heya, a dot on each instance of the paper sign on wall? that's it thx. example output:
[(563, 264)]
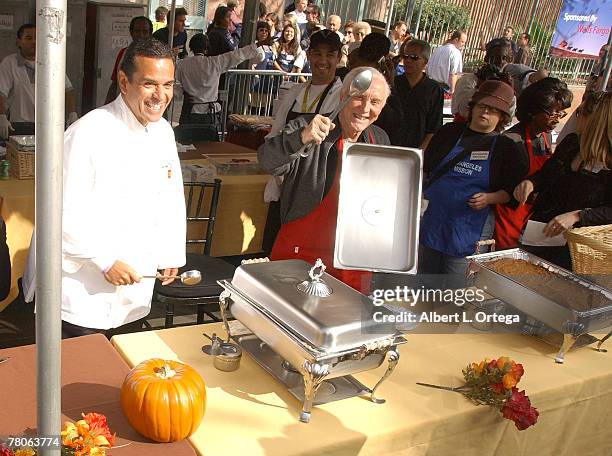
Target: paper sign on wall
[(118, 42), (6, 22)]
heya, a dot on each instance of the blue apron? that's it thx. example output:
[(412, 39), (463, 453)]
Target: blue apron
[(449, 225)]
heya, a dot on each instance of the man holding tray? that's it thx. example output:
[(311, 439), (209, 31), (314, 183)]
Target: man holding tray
[(309, 197)]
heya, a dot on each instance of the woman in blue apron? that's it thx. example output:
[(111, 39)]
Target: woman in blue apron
[(469, 168), (288, 53)]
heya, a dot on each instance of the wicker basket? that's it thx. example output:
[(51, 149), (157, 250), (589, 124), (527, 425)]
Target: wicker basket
[(22, 162), (591, 249)]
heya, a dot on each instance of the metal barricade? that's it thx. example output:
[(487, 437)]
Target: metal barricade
[(254, 92)]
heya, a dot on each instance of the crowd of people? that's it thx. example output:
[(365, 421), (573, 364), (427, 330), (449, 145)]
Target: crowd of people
[(484, 177)]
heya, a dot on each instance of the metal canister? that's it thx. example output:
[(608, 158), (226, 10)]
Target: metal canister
[(4, 169), (229, 359)]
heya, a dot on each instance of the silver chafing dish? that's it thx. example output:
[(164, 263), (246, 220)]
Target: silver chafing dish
[(564, 302), (308, 329)]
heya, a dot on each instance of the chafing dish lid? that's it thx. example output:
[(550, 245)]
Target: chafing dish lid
[(343, 320), (379, 209)]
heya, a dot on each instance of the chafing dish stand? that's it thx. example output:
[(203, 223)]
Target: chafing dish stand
[(548, 311), (310, 334)]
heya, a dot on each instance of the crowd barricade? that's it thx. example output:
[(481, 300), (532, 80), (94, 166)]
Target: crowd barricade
[(254, 92)]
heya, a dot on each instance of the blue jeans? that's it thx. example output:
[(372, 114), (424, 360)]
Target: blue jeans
[(434, 262)]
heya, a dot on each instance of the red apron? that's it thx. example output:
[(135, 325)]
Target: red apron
[(314, 235), (510, 222)]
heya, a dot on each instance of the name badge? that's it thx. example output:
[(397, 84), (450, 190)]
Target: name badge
[(480, 155), (167, 169)]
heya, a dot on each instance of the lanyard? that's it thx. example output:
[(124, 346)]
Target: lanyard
[(306, 108), (530, 147)]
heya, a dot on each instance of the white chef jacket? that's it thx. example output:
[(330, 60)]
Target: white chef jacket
[(123, 200), (17, 86), (199, 74)]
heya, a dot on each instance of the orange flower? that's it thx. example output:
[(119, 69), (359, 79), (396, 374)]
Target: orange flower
[(99, 429), (509, 381), (501, 361), (517, 371), (25, 452)]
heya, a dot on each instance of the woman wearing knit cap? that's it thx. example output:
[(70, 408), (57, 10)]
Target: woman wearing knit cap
[(469, 168)]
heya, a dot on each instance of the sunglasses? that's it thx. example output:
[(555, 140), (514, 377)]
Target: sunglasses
[(412, 57), (555, 115)]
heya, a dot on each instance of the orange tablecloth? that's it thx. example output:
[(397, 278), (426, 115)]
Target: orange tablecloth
[(92, 374)]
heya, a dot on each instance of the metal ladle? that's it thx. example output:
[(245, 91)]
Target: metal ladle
[(187, 278), (360, 84)]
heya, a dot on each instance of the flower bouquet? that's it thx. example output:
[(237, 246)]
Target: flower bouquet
[(493, 383), (87, 437)]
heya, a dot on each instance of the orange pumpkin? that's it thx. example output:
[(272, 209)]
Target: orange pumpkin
[(163, 400)]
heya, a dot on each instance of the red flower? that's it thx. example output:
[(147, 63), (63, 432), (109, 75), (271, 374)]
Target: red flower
[(518, 409), (497, 387), (5, 451), (492, 364), (97, 426)]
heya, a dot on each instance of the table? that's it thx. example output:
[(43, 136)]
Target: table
[(92, 374), (17, 210), (241, 214), (248, 412)]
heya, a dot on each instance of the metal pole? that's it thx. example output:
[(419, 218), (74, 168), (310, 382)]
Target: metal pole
[(532, 16), (169, 114), (608, 63), (416, 28), (49, 120), (171, 23), (389, 17)]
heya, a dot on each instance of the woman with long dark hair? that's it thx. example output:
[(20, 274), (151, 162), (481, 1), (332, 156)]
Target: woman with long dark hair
[(289, 54), (539, 109)]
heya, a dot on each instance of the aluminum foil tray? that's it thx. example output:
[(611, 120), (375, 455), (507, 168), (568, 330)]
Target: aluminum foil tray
[(23, 142), (379, 209), (563, 301)]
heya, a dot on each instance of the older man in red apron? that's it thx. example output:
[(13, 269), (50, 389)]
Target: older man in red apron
[(309, 196)]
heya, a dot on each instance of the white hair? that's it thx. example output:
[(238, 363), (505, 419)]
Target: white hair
[(348, 79)]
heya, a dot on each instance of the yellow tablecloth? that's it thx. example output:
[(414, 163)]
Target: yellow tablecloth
[(248, 412), (17, 210)]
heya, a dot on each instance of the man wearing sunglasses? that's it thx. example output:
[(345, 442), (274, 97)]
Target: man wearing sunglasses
[(414, 110)]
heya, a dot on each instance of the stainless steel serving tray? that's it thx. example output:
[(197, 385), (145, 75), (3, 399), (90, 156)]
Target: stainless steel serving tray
[(341, 321), (552, 311), (379, 209)]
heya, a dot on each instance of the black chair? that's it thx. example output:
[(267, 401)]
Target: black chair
[(204, 295), (186, 134)]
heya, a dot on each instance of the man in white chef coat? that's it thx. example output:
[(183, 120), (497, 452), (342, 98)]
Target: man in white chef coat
[(124, 206), (17, 75)]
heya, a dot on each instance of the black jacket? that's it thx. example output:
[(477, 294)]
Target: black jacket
[(560, 189)]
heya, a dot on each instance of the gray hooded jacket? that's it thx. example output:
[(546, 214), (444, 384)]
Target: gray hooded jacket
[(304, 177)]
